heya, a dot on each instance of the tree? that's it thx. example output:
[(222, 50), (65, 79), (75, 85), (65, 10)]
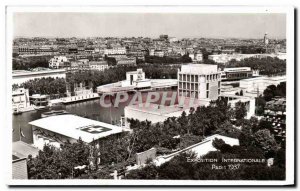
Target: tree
[(49, 86), (267, 66), (260, 103), (269, 93), (264, 140), (149, 172), (53, 163), (178, 167), (188, 140), (220, 145), (263, 124), (240, 110), (272, 91)]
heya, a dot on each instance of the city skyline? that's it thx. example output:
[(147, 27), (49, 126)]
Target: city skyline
[(82, 25)]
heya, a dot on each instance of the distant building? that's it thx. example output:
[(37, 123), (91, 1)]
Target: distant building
[(126, 61), (163, 37), (151, 52), (59, 62), (255, 87), (266, 40), (98, 65), (249, 103), (236, 73), (225, 58), (192, 56), (20, 100), (228, 51), (34, 50), (39, 101), (200, 81), (159, 53), (72, 50), (275, 113), (78, 65), (173, 39), (119, 50), (196, 57), (199, 57)]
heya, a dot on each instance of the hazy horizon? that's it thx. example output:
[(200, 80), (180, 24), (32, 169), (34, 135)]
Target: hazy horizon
[(180, 25)]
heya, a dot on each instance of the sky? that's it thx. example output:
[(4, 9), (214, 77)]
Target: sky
[(180, 25)]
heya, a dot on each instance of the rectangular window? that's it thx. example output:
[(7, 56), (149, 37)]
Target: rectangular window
[(207, 94), (207, 86)]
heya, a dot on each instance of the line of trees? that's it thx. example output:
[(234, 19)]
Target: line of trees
[(267, 66), (29, 63), (53, 163), (168, 60), (55, 87), (269, 93), (116, 74)]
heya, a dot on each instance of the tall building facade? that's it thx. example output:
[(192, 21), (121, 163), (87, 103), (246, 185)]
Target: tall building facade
[(200, 81), (266, 40)]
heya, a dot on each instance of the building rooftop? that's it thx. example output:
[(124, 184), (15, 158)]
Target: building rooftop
[(199, 68), (168, 111), (74, 127), (258, 78), (237, 69), (22, 150), (101, 62), (155, 108)]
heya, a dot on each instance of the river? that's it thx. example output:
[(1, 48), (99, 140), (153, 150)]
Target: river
[(90, 109)]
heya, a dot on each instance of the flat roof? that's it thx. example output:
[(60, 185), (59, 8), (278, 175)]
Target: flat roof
[(264, 78), (167, 111), (22, 150), (155, 108), (237, 69), (74, 127), (199, 68)]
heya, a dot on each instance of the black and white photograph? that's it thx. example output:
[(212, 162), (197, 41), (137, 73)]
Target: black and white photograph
[(150, 95)]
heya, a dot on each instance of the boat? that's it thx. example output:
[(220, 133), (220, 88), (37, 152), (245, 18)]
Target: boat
[(53, 113)]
